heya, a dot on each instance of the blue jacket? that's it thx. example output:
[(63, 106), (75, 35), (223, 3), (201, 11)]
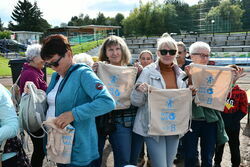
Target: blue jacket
[(83, 93), (8, 119)]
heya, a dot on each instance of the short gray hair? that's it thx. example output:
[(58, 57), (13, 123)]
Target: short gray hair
[(33, 51), (197, 46), (83, 58)]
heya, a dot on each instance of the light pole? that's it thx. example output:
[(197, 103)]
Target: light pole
[(212, 21)]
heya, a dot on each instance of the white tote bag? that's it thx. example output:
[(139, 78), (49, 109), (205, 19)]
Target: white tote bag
[(120, 81), (213, 84), (170, 111), (59, 142)]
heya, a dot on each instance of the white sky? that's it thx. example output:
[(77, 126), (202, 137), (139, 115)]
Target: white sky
[(61, 11)]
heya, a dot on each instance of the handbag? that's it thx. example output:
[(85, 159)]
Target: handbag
[(15, 145), (15, 94), (33, 107)]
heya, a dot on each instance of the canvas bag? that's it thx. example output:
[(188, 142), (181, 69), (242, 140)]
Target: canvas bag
[(32, 108), (119, 81), (213, 84), (170, 111), (15, 94), (59, 142)]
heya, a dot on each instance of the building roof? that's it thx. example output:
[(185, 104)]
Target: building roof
[(93, 27), (27, 32)]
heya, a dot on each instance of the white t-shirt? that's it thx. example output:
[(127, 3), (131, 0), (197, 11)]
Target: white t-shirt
[(51, 100)]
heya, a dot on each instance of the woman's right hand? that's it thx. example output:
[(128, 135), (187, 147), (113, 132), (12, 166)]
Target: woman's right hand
[(143, 87), (26, 89), (95, 67)]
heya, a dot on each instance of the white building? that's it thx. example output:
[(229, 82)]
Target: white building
[(27, 37)]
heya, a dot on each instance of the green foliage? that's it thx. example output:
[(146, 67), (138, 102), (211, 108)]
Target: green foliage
[(245, 5), (28, 17), (5, 34), (226, 16), (4, 69)]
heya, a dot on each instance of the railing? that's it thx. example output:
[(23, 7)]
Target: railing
[(85, 38)]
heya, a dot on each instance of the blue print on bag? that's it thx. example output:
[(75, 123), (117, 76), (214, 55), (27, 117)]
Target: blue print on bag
[(210, 80), (170, 103), (209, 100), (113, 79), (210, 91)]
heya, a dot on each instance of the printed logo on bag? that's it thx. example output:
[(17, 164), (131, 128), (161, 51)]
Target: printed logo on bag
[(168, 114), (213, 84)]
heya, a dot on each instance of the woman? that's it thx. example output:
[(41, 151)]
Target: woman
[(137, 155), (145, 58), (32, 71), (8, 125), (163, 74), (75, 96), (114, 51)]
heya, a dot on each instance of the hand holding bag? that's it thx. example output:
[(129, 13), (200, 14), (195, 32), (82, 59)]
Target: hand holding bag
[(60, 141)]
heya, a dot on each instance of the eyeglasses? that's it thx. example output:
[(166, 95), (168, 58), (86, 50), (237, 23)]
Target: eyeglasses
[(165, 52), (202, 55), (54, 64)]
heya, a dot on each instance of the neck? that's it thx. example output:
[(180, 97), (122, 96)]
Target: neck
[(66, 69)]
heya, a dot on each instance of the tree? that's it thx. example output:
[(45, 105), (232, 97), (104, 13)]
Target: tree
[(100, 20), (245, 5), (28, 17), (1, 25), (226, 16)]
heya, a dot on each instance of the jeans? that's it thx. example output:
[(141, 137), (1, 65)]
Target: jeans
[(120, 141), (162, 152), (208, 134), (136, 148), (234, 144)]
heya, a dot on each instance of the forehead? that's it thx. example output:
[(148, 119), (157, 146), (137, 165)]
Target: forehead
[(180, 48), (202, 50), (145, 55), (113, 46)]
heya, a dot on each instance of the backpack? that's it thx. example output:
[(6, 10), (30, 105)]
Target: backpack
[(32, 109), (15, 94)]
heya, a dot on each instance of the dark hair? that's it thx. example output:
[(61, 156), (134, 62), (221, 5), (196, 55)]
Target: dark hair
[(54, 44)]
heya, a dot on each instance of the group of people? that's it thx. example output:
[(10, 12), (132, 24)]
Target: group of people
[(76, 96)]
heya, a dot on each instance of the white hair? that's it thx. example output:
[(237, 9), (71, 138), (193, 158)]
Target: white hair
[(197, 46), (33, 51), (83, 58)]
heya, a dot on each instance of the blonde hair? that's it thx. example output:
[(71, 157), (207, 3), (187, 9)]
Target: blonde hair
[(115, 40), (171, 44)]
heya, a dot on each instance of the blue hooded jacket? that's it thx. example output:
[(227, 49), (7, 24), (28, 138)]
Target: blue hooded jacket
[(83, 93)]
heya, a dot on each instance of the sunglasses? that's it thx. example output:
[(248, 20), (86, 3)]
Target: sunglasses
[(165, 52), (54, 64)]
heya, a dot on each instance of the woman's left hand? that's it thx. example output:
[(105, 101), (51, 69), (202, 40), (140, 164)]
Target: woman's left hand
[(238, 73), (64, 119), (139, 67), (193, 89)]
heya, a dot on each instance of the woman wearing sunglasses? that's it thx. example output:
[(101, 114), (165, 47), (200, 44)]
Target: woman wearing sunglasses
[(32, 71), (163, 74), (75, 96)]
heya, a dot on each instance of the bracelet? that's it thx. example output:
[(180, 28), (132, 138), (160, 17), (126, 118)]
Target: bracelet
[(233, 85)]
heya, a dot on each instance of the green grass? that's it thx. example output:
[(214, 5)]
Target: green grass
[(6, 71), (81, 48)]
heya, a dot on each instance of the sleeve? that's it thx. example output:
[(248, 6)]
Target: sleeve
[(102, 101), (242, 108), (138, 98), (28, 76), (8, 118)]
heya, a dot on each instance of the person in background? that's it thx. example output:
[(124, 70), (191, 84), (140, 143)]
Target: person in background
[(163, 74), (75, 96), (181, 56), (235, 109), (207, 124), (83, 58), (8, 125), (145, 58), (118, 129), (32, 71)]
